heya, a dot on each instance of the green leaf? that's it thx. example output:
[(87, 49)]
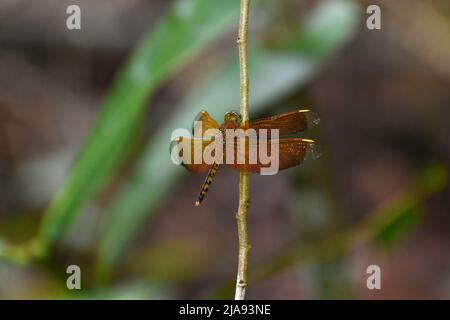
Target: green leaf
[(403, 221), (395, 220), (272, 76), (181, 34), (321, 34)]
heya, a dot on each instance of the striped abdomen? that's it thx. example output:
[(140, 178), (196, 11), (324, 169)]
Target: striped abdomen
[(206, 184)]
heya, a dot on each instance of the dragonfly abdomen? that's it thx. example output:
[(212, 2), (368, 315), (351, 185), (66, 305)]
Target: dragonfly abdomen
[(209, 179)]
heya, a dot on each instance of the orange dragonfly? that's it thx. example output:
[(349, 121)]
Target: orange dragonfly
[(291, 151)]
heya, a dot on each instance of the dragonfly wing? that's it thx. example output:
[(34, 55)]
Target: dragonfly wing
[(203, 122), (292, 152), (287, 123), (189, 153)]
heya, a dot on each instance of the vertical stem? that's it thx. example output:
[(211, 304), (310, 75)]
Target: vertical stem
[(243, 58), (244, 201)]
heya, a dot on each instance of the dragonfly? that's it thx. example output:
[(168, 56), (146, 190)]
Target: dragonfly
[(292, 151)]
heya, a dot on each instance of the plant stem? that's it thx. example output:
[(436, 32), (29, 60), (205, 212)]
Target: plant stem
[(244, 201)]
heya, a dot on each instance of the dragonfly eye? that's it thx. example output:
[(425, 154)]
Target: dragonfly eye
[(233, 116)]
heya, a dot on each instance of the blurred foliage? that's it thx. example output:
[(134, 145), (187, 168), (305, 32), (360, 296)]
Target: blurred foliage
[(171, 262), (181, 34), (386, 225), (397, 218), (128, 291)]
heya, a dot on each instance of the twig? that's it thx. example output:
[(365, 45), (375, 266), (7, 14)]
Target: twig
[(241, 216)]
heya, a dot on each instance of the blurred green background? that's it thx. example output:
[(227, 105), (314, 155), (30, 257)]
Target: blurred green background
[(86, 178)]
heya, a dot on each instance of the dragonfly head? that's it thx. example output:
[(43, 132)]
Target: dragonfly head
[(233, 118)]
